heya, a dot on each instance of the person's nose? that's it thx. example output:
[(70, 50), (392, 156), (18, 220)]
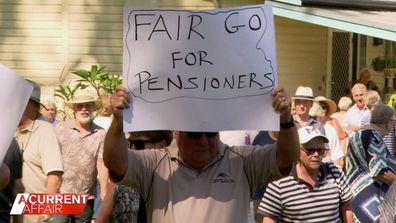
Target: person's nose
[(203, 140)]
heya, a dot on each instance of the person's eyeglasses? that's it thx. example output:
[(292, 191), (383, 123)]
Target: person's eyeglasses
[(198, 135), (311, 151), (139, 144)]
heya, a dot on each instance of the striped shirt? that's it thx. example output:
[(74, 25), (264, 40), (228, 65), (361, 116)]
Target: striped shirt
[(389, 139), (291, 199)]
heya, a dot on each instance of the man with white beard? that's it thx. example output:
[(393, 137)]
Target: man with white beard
[(82, 152)]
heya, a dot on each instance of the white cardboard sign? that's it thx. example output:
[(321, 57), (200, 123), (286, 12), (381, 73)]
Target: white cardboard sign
[(14, 96), (200, 70)]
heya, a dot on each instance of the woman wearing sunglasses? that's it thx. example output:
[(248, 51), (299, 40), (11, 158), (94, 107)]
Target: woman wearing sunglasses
[(314, 191), (124, 204), (371, 167)]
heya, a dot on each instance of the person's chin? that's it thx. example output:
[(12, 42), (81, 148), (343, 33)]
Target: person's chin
[(85, 120)]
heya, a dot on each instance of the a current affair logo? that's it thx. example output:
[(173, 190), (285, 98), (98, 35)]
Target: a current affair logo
[(26, 203)]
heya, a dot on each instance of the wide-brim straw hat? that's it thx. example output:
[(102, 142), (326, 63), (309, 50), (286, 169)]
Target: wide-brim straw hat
[(84, 98), (330, 104), (304, 93)]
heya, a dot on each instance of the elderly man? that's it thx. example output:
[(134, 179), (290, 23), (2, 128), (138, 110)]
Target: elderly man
[(50, 112), (82, 149), (354, 115), (199, 179), (303, 101), (42, 165), (314, 192)]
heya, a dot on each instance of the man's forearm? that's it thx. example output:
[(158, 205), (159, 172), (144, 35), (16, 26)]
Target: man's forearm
[(288, 150), (54, 181), (115, 151)]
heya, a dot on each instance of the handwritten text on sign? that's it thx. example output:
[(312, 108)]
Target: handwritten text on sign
[(190, 56)]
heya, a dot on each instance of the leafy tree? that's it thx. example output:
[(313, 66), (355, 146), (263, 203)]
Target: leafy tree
[(66, 92), (99, 79)]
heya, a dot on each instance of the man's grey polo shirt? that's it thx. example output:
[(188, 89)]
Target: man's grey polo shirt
[(220, 193)]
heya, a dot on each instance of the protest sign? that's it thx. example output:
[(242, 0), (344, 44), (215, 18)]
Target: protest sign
[(200, 70), (14, 95)]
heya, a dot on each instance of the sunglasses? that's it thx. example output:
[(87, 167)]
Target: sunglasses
[(139, 144), (198, 135), (311, 151)]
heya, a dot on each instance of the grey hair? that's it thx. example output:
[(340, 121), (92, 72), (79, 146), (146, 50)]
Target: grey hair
[(381, 114), (344, 103), (358, 86), (371, 98)]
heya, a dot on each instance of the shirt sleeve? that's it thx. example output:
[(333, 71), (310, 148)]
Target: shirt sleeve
[(271, 203), (50, 150), (345, 189), (261, 165), (377, 150)]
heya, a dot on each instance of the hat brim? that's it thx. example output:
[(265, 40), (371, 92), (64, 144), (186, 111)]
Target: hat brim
[(330, 104), (303, 98), (318, 136), (38, 101), (97, 103)]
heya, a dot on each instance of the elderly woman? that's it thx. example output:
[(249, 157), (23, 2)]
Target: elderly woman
[(371, 167)]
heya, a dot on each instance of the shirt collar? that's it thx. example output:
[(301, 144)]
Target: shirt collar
[(93, 128), (323, 171)]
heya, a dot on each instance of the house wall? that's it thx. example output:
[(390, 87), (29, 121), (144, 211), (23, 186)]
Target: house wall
[(301, 55), (45, 40)]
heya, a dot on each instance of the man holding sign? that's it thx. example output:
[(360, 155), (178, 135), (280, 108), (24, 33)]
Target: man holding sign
[(199, 179)]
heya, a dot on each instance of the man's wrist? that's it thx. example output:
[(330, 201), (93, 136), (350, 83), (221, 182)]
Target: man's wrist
[(288, 124)]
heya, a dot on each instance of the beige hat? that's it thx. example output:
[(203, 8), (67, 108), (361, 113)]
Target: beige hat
[(330, 103), (304, 93), (84, 97), (36, 93)]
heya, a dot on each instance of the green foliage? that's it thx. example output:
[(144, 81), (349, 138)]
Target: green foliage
[(110, 84), (379, 64), (66, 92), (99, 79)]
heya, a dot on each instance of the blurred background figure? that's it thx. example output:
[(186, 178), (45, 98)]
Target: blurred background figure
[(371, 167), (353, 117), (303, 101), (343, 105), (321, 110), (122, 203), (49, 112), (365, 79)]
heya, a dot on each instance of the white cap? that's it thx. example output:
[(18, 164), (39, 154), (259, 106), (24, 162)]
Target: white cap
[(307, 133)]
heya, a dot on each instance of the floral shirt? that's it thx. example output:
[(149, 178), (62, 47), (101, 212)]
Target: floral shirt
[(80, 153)]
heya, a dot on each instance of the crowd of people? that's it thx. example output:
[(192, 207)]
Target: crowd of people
[(327, 163)]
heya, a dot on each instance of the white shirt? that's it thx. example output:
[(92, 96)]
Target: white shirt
[(335, 151), (354, 116)]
